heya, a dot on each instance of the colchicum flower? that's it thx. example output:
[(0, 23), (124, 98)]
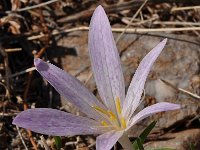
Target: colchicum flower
[(112, 117)]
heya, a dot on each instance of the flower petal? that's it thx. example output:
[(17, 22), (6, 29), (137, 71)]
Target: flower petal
[(150, 110), (105, 60), (69, 87), (107, 141), (54, 122), (136, 87)]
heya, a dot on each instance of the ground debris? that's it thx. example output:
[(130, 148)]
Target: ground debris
[(32, 29)]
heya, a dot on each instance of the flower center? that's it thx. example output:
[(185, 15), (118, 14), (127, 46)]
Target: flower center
[(116, 120)]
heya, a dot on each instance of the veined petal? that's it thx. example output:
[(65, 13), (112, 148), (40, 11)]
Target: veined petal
[(58, 123), (136, 87), (150, 110), (105, 60), (107, 140), (69, 87)]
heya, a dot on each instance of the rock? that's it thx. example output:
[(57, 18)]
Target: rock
[(179, 141), (178, 64), (195, 83), (159, 89)]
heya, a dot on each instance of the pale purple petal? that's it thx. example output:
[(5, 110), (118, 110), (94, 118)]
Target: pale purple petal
[(58, 123), (69, 87), (136, 87), (150, 110), (105, 60), (107, 141)]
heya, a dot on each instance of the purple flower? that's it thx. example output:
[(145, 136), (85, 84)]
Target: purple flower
[(110, 118)]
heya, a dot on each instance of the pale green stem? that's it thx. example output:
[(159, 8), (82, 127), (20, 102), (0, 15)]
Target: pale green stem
[(125, 142)]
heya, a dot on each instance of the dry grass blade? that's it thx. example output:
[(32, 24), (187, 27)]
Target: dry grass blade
[(44, 143), (184, 8), (20, 73), (176, 23), (32, 7), (12, 49), (134, 16), (21, 138), (130, 30), (126, 21), (138, 30), (3, 114), (181, 90)]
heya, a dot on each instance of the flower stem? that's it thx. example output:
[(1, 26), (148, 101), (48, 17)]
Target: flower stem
[(125, 142)]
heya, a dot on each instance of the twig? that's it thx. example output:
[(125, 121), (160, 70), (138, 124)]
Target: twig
[(115, 8), (182, 23), (134, 16), (80, 71), (71, 143), (13, 49), (181, 90), (92, 144), (21, 138), (3, 114), (88, 78), (195, 32), (126, 21), (44, 143), (26, 95), (6, 89), (176, 23), (184, 8), (20, 73), (7, 69), (139, 30), (130, 30), (32, 7)]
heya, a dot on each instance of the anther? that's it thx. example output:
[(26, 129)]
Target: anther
[(118, 105), (123, 122), (112, 115), (104, 123), (100, 109)]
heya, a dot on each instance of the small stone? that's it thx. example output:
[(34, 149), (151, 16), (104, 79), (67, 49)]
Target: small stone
[(160, 90), (180, 140)]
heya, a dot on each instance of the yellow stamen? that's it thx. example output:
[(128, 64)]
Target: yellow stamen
[(112, 115), (123, 122), (100, 109), (118, 105), (116, 120), (104, 123)]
